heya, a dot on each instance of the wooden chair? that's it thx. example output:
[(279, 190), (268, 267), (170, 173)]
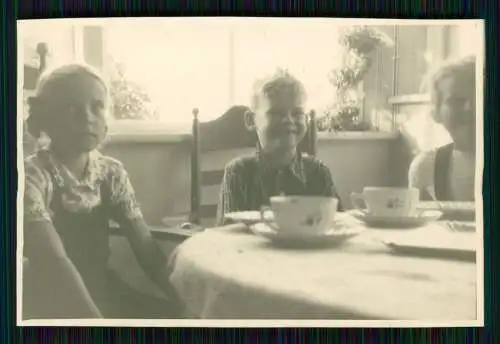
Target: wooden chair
[(214, 144), (30, 80), (31, 75)]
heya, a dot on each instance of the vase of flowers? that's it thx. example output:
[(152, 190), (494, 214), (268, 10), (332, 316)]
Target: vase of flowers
[(358, 43)]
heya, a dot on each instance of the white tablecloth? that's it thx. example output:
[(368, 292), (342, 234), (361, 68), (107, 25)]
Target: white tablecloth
[(227, 273)]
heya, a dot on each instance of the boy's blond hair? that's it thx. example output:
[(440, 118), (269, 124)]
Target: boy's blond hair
[(464, 67), (280, 81)]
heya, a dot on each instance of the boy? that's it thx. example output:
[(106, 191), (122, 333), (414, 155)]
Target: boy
[(278, 117), (447, 173)]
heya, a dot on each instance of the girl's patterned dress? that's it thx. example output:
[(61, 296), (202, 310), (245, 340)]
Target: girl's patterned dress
[(80, 211)]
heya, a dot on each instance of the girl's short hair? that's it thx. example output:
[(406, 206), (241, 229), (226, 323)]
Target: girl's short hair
[(464, 67), (280, 81), (54, 77), (48, 85)]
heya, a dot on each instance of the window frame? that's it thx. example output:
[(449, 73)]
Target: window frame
[(135, 129)]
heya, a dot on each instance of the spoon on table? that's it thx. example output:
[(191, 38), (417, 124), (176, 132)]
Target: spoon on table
[(460, 226)]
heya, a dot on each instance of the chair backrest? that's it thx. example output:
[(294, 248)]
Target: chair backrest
[(214, 144), (31, 75)]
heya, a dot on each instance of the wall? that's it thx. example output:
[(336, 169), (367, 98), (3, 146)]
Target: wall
[(159, 172)]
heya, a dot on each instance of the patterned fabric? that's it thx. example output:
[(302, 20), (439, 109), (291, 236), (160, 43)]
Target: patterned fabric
[(43, 174), (249, 182)]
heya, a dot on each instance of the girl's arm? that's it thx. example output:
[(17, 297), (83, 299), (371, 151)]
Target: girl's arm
[(58, 289), (127, 213), (148, 252), (421, 175), (53, 286)]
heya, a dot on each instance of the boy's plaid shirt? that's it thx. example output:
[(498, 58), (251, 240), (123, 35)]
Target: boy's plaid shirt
[(249, 182)]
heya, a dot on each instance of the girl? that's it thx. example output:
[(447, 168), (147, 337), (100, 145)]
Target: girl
[(71, 194), (447, 173)]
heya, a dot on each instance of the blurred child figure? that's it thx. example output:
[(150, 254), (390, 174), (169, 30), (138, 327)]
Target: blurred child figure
[(71, 193), (448, 172), (277, 114)]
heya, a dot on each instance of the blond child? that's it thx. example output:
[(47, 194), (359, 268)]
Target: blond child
[(278, 117), (447, 173), (71, 193)]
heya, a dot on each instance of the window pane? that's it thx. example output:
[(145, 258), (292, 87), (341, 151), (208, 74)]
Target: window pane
[(308, 49), (58, 34), (379, 85), (465, 39), (178, 65), (412, 64), (212, 64)]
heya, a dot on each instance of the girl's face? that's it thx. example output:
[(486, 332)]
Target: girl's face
[(280, 122), (457, 111), (76, 114)]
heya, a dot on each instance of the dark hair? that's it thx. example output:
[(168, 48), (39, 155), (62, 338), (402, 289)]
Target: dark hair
[(48, 83)]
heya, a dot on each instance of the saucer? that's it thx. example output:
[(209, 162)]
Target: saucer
[(249, 217), (400, 222), (336, 235), (463, 211)]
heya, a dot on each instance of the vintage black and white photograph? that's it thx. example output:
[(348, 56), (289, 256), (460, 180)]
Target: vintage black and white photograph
[(250, 172)]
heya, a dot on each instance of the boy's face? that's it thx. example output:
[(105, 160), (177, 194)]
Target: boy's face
[(77, 114), (280, 122), (457, 111)]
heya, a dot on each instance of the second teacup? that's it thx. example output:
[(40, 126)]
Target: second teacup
[(388, 201)]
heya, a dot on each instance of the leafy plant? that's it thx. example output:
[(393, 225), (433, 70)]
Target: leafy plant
[(358, 43), (130, 100), (364, 39)]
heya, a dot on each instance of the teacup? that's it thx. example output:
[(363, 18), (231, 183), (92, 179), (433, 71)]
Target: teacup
[(303, 214), (388, 201)]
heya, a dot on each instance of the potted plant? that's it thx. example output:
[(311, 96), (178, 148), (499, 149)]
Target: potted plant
[(358, 43)]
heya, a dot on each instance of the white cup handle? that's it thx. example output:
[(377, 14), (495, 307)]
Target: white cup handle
[(263, 210), (358, 201)]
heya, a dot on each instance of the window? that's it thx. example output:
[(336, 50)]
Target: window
[(160, 69), (59, 35), (211, 64)]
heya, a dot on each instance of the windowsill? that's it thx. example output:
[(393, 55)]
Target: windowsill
[(355, 135), (162, 132), (145, 137), (409, 99), (124, 131)]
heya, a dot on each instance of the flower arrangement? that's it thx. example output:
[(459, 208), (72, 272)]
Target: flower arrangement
[(130, 100), (358, 43), (364, 39)]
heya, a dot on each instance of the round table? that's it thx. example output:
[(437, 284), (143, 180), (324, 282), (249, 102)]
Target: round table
[(227, 273)]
